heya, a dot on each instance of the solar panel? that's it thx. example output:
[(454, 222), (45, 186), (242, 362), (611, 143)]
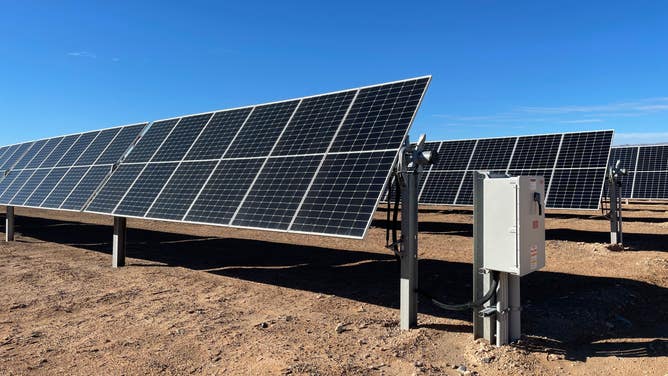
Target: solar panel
[(14, 154), (63, 172), (312, 165), (573, 165), (647, 167)]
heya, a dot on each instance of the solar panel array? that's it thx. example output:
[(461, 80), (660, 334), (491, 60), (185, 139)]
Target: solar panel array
[(647, 167), (63, 172), (573, 164), (312, 165)]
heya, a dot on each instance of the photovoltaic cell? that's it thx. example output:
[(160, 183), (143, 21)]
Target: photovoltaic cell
[(145, 189), (492, 154), (151, 141), (535, 152), (7, 181), (114, 189), (454, 155), (15, 185), (327, 111), (441, 186), (47, 185), (77, 149), (29, 155), (59, 151), (651, 185), (120, 144), (97, 147), (344, 193), (276, 194), (378, 118), (44, 152), (63, 188), (218, 134), (85, 188), (223, 193), (653, 158), (586, 149), (179, 193), (183, 135), (574, 189), (18, 152), (31, 184), (523, 155), (259, 135)]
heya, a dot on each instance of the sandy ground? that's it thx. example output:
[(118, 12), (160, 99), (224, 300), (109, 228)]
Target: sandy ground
[(207, 300)]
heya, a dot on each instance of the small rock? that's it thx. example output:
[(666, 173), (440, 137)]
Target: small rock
[(552, 357), (263, 325), (340, 328), (361, 309), (461, 369), (488, 359), (419, 364)]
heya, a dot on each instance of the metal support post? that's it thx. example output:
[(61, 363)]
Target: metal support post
[(614, 206), (480, 329), (409, 244), (515, 308), (9, 224), (502, 310), (120, 230)]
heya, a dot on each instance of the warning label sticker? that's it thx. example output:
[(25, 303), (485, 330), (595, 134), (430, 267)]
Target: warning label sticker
[(533, 257)]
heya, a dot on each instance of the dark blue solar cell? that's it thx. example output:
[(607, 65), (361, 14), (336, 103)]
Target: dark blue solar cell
[(77, 149), (114, 189), (63, 189), (97, 147), (59, 151), (380, 116), (145, 189), (218, 134), (181, 190), (275, 196), (47, 185), (29, 187), (181, 138), (151, 141), (120, 145), (261, 130)]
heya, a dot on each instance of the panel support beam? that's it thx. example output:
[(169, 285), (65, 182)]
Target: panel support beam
[(412, 158), (9, 224), (408, 255), (119, 242)]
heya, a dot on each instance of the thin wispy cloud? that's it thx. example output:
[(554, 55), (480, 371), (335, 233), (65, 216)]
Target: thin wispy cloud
[(84, 54), (581, 121), (571, 114), (622, 138), (642, 105)]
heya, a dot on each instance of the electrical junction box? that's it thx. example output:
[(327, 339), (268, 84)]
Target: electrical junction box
[(514, 224)]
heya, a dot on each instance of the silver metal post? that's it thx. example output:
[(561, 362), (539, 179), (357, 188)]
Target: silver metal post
[(502, 310), (9, 224), (409, 245), (614, 200), (120, 230), (478, 253), (515, 307)]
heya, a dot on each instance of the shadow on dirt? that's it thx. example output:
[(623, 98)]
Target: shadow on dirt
[(563, 313)]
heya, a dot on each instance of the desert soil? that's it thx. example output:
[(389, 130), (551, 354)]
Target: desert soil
[(210, 300)]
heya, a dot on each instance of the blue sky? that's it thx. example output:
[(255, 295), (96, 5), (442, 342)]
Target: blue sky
[(499, 68)]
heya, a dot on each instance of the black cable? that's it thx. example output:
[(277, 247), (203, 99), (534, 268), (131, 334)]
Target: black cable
[(464, 306)]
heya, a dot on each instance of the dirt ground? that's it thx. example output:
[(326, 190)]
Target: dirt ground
[(208, 300)]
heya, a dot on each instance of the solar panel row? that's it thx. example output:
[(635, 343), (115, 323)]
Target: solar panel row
[(573, 164), (311, 165), (647, 167), (63, 172)]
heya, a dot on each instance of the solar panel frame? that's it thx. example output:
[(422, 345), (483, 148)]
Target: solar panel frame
[(423, 82)]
